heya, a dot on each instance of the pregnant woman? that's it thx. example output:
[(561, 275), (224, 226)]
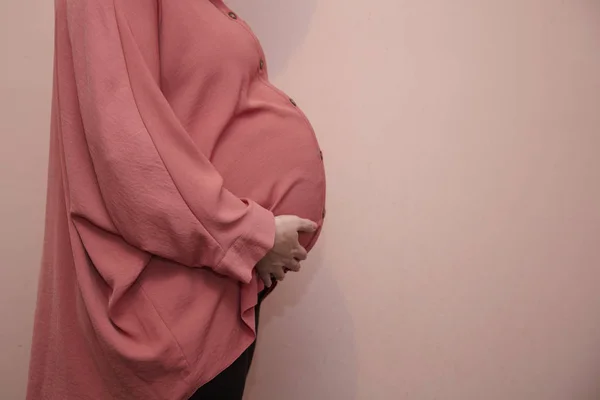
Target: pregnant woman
[(182, 186)]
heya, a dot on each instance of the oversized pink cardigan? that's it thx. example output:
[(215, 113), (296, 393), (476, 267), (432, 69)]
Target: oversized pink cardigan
[(170, 153)]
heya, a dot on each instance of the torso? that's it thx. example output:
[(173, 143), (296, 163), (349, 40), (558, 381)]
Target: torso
[(261, 143)]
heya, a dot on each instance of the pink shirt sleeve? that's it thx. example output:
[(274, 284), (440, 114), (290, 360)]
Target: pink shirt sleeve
[(162, 194)]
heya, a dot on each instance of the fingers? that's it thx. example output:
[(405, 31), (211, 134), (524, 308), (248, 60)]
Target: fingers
[(266, 278), (306, 225), (300, 253), (278, 274), (293, 265)]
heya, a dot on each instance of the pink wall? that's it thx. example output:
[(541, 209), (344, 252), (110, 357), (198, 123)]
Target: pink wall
[(461, 258), (25, 83)]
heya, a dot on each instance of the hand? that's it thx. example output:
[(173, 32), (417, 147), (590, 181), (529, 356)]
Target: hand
[(287, 252)]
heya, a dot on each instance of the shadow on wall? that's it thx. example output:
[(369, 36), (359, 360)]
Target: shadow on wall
[(302, 337), (280, 26)]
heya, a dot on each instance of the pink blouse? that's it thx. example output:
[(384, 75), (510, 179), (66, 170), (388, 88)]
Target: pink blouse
[(170, 153)]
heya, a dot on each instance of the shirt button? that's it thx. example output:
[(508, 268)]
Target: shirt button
[(262, 64), (323, 215), (232, 15), (293, 102), (321, 154)]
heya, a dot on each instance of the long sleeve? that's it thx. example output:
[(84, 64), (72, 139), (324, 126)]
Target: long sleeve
[(161, 193)]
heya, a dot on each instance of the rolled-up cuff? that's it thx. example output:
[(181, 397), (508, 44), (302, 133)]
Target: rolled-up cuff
[(241, 258)]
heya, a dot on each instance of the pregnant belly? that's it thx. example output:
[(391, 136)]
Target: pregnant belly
[(273, 158)]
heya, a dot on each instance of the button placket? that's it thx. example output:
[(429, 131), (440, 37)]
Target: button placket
[(262, 69)]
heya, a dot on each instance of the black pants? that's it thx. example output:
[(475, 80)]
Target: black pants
[(229, 384)]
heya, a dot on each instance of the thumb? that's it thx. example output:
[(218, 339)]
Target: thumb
[(306, 225)]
